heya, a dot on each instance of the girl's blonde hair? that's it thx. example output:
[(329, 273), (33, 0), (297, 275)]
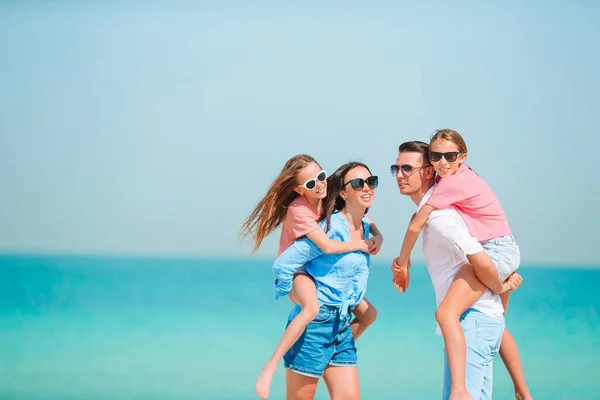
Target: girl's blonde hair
[(270, 211)]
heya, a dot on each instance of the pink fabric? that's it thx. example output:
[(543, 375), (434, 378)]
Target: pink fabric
[(300, 219), (474, 200)]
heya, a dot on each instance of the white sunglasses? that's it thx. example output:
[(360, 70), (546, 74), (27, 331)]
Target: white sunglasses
[(312, 183)]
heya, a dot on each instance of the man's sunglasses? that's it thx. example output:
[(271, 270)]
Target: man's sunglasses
[(312, 183), (406, 169), (359, 183), (450, 156)]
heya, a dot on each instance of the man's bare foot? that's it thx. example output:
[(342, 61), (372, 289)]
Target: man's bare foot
[(523, 396), (460, 395), (263, 383)]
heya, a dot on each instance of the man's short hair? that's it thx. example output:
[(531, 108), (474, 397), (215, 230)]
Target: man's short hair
[(416, 147)]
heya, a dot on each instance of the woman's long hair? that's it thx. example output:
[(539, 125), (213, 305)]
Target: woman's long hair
[(270, 211), (333, 201)]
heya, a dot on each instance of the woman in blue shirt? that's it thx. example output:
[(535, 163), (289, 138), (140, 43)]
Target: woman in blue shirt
[(326, 348)]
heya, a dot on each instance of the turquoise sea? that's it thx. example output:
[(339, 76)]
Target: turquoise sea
[(100, 328)]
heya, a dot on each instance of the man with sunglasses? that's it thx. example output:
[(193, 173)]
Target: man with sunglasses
[(446, 245)]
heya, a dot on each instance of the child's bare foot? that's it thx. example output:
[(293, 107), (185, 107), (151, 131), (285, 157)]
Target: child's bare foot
[(263, 383), (460, 395)]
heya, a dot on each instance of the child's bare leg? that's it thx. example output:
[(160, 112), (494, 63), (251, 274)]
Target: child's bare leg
[(487, 272), (364, 315), (511, 359), (510, 356), (504, 297), (463, 292), (304, 293)]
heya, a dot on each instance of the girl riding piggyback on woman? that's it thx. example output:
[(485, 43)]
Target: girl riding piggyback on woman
[(294, 201)]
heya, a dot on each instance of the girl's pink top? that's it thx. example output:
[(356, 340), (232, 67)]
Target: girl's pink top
[(300, 219), (474, 200)]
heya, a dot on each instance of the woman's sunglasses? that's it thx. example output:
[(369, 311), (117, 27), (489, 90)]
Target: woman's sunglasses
[(450, 156), (406, 169), (312, 183), (359, 183)]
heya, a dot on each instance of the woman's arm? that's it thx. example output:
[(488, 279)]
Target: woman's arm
[(290, 261)]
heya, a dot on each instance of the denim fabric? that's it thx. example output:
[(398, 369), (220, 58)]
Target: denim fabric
[(505, 253), (327, 340), (483, 335), (340, 279)]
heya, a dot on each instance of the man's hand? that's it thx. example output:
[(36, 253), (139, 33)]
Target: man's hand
[(377, 241), (401, 275)]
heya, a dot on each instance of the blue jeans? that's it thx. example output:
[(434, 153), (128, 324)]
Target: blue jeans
[(327, 340), (482, 335)]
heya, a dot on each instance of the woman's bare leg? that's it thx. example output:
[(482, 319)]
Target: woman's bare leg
[(299, 387), (464, 291), (304, 293), (364, 315), (342, 383)]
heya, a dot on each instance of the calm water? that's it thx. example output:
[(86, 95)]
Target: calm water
[(133, 328)]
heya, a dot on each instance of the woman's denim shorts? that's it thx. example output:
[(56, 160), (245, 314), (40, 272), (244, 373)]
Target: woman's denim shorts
[(327, 340), (505, 253)]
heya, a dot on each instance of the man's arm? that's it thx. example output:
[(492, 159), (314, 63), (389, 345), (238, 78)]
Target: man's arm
[(487, 272), (453, 234), (290, 261)]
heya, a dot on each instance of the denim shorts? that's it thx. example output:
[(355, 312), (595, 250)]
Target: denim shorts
[(505, 253), (327, 340)]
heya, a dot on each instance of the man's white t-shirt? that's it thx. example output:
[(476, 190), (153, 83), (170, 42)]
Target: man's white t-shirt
[(446, 243)]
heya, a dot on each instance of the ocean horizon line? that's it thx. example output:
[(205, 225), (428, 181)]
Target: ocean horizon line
[(232, 258)]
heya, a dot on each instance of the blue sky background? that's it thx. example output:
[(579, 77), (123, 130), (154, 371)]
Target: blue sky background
[(154, 127)]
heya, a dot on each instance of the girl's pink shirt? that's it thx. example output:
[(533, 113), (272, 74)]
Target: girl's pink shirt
[(300, 219), (475, 202)]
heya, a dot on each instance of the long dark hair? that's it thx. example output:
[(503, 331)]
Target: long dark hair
[(270, 211), (333, 201)]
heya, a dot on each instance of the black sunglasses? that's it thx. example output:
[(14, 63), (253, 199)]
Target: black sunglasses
[(450, 156), (312, 183), (406, 169), (359, 183)]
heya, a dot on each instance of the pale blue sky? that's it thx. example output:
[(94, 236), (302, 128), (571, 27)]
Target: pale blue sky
[(154, 127)]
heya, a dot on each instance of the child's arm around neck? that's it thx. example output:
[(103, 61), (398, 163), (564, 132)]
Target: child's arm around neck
[(330, 246)]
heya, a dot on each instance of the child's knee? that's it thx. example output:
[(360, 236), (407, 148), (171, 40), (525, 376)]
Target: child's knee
[(443, 315)]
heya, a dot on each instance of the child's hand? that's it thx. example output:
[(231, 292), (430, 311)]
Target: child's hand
[(513, 282), (377, 241)]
